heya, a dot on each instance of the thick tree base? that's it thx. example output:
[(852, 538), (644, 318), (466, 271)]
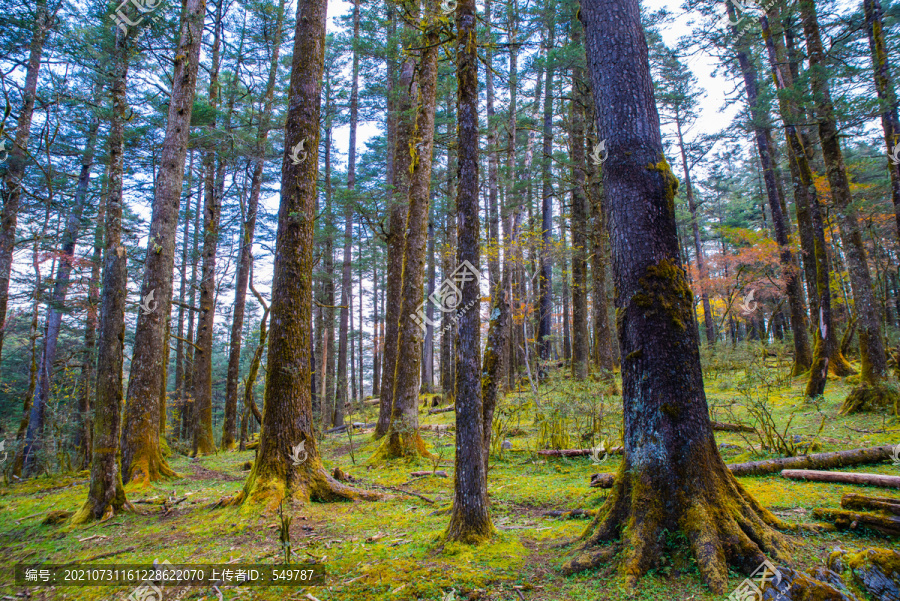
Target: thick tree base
[(877, 398), (398, 446), (722, 523), (92, 509), (304, 484), (147, 469)]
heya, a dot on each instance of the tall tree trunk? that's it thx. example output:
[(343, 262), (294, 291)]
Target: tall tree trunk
[(428, 350), (698, 246), (11, 188), (406, 93), (890, 122), (546, 284), (470, 518), (248, 229), (346, 276), (253, 371), (579, 222), (288, 464), (603, 353), (203, 442), (359, 338), (871, 346), (376, 338), (403, 433), (141, 457), (826, 349), (56, 303), (761, 130), (672, 477), (448, 266), (179, 346), (493, 225), (187, 411), (84, 434), (106, 494), (329, 366), (351, 343)]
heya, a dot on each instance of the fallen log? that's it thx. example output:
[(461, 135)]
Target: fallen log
[(722, 427), (444, 410), (572, 513), (357, 425), (439, 474), (887, 525), (857, 501), (438, 427), (817, 461), (843, 478), (578, 452), (772, 466)]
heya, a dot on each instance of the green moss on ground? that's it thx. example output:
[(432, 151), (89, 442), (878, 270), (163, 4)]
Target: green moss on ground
[(392, 549)]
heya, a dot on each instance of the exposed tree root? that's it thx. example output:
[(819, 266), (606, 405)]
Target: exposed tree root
[(304, 483), (871, 398), (723, 524)]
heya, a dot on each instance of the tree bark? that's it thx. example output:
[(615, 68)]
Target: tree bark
[(545, 324), (106, 494), (826, 352), (179, 345), (84, 436), (603, 356), (248, 229), (141, 457), (672, 477), (428, 349), (400, 181), (470, 519), (871, 346), (493, 174), (287, 418), (762, 134), (580, 221), (214, 165), (11, 189), (403, 433)]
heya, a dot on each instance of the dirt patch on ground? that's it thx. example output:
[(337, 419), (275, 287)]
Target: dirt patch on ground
[(204, 473)]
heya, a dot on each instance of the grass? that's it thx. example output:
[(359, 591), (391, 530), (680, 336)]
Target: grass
[(391, 550)]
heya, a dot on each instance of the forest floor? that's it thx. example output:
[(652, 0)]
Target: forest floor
[(390, 549)]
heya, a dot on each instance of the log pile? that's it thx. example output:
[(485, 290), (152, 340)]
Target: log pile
[(886, 521)]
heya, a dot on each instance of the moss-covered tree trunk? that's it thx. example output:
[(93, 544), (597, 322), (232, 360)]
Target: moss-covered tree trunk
[(84, 435), (288, 464), (405, 93), (545, 304), (248, 229), (603, 356), (672, 478), (141, 457), (403, 434), (762, 134), (106, 494), (873, 358), (826, 349), (580, 221), (881, 68), (470, 518)]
